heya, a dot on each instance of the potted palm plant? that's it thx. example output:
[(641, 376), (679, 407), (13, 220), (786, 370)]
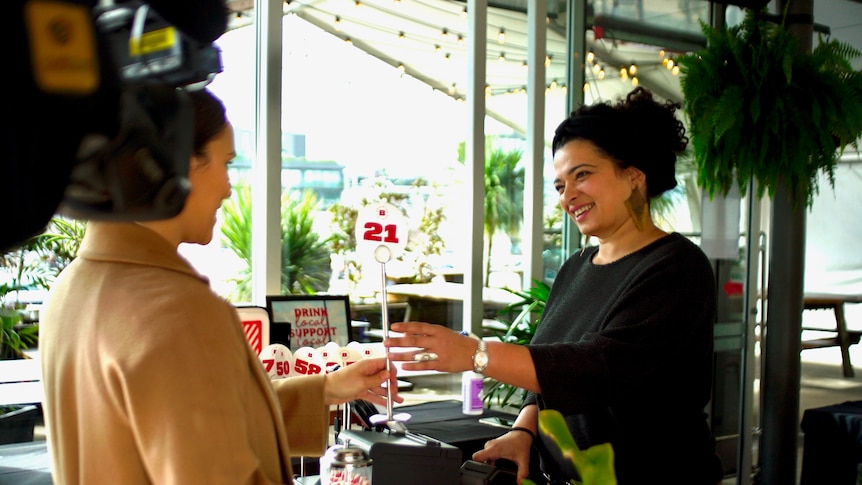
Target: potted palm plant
[(305, 257), (17, 422), (504, 191), (16, 335), (33, 265)]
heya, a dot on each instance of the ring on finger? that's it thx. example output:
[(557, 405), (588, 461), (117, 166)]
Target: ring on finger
[(425, 357)]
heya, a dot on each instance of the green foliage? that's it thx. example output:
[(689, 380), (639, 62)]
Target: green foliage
[(24, 269), (504, 193), (423, 240), (36, 262), (304, 254), (15, 337), (33, 265), (59, 244), (553, 220), (236, 235), (760, 107), (528, 312), (595, 465)]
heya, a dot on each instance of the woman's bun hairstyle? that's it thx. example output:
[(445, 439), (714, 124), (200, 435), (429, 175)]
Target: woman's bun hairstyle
[(637, 131)]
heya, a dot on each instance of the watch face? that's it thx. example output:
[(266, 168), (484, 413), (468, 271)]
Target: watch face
[(481, 359)]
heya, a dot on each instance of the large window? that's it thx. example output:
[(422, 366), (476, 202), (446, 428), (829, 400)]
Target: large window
[(372, 107)]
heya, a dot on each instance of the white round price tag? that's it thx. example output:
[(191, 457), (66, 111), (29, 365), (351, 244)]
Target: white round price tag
[(369, 351), (308, 361), (276, 360), (331, 353), (381, 231), (351, 354)]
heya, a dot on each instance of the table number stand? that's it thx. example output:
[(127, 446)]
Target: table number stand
[(381, 231), (394, 422)]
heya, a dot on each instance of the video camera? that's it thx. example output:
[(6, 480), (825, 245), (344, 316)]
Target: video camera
[(147, 47), (99, 123)]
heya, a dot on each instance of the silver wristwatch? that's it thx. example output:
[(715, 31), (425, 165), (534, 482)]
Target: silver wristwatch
[(480, 357)]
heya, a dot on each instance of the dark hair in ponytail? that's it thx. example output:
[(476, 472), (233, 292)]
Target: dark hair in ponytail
[(210, 118)]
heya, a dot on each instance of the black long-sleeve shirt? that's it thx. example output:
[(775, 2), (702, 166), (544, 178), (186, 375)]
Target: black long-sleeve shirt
[(624, 352)]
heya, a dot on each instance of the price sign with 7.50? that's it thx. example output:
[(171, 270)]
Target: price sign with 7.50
[(381, 231)]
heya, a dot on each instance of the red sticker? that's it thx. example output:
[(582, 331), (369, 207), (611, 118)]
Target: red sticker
[(733, 288)]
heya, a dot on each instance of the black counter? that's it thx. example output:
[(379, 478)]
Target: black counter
[(832, 444), (445, 422)]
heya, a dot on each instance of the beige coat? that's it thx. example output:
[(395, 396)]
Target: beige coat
[(149, 378)]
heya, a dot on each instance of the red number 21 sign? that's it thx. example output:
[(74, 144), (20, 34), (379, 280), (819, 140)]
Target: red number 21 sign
[(381, 231)]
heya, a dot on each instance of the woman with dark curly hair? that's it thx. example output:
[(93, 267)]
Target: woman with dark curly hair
[(624, 347)]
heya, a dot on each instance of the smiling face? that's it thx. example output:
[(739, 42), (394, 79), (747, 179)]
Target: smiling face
[(209, 187), (593, 190)]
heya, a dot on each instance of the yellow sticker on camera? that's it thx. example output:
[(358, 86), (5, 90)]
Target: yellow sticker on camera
[(62, 47), (153, 41)]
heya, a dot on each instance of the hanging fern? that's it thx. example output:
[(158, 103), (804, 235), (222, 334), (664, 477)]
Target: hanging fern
[(760, 108)]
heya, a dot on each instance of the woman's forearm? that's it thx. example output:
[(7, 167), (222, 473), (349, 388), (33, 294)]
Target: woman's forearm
[(512, 364)]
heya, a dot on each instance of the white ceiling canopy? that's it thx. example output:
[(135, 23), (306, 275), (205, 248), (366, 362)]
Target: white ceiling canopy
[(628, 41)]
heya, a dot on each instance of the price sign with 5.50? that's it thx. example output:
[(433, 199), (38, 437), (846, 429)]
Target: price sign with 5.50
[(277, 361), (381, 231)]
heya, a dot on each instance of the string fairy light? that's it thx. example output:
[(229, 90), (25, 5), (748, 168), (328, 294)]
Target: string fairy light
[(446, 34)]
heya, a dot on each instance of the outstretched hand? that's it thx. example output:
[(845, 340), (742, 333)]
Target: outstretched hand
[(363, 379), (425, 346)]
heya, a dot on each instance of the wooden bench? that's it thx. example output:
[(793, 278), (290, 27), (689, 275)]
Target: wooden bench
[(853, 338), (21, 382), (842, 337)]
